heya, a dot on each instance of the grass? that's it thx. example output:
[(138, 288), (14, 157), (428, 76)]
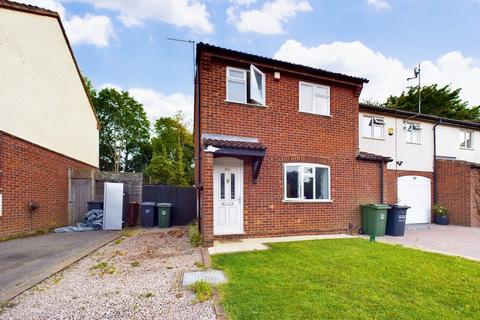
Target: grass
[(104, 268), (348, 279), (202, 290), (135, 264), (194, 235), (37, 232)]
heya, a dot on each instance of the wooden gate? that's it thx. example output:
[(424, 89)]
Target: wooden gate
[(81, 192)]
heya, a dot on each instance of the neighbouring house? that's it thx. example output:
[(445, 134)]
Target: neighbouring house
[(285, 149), (47, 122), (414, 178)]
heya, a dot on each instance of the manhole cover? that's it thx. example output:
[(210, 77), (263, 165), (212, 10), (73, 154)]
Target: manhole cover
[(210, 276)]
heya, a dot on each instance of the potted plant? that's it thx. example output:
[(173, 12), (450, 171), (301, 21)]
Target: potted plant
[(441, 215)]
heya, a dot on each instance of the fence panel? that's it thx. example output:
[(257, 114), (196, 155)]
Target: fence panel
[(183, 200), (81, 192)]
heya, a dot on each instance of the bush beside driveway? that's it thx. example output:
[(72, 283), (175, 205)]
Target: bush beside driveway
[(134, 277)]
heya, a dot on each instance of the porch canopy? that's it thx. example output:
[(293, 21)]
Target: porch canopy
[(221, 145)]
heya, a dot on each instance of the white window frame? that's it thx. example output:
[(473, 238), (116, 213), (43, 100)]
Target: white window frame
[(380, 123), (408, 134), (244, 81), (248, 80), (301, 174), (314, 87), (464, 133)]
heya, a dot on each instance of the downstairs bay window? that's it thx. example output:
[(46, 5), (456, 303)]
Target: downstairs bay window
[(306, 182)]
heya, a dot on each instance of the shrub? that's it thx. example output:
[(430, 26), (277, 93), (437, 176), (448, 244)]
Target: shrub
[(439, 210), (194, 236), (202, 289)]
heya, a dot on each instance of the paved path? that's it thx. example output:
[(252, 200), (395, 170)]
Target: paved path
[(451, 240), (25, 262)]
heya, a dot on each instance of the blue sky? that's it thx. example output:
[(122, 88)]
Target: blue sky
[(122, 43)]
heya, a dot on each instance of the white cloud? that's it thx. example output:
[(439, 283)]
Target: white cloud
[(90, 29), (387, 75), (269, 19), (378, 4), (192, 14)]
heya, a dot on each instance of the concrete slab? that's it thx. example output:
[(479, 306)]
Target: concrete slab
[(450, 240), (254, 244), (28, 261), (210, 276)]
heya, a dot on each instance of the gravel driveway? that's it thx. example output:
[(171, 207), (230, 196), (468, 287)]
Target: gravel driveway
[(137, 278)]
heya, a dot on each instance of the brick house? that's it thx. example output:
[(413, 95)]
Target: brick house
[(285, 149), (277, 148), (47, 122), (435, 160)]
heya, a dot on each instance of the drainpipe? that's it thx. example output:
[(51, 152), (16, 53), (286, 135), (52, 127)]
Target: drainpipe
[(382, 191), (435, 188), (199, 141)]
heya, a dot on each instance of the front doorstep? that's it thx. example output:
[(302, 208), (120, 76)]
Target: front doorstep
[(254, 244)]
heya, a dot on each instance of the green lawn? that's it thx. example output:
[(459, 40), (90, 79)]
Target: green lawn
[(348, 279)]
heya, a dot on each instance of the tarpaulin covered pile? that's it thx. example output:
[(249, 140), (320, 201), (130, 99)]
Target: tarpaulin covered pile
[(93, 221)]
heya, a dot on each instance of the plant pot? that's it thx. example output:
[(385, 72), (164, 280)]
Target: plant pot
[(442, 220)]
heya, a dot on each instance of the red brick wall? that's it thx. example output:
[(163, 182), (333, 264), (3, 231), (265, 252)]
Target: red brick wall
[(29, 172), (475, 202), (455, 190), (290, 136)]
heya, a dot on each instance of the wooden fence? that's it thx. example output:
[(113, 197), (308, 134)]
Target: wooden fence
[(183, 200), (87, 185)]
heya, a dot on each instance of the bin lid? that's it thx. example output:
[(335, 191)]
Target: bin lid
[(94, 201), (399, 206), (377, 206), (151, 204), (164, 205)]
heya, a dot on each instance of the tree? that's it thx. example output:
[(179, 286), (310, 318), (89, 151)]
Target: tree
[(443, 102), (124, 133), (172, 161)]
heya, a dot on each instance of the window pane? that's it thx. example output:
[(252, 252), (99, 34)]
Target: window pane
[(236, 74), (306, 95), (293, 190), (222, 185), (415, 137), (232, 186), (307, 170), (322, 105), (308, 187), (256, 86), (236, 91), (321, 183), (468, 139), (378, 131), (321, 91), (462, 139), (367, 127)]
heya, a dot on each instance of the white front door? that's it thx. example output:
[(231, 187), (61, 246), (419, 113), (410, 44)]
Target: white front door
[(415, 192), (228, 196)]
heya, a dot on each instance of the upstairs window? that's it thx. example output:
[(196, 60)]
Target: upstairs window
[(466, 139), (314, 98), (413, 132), (306, 182), (373, 127), (246, 86)]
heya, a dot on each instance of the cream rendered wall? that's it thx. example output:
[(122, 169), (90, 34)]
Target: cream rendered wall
[(448, 144), (42, 99), (415, 157)]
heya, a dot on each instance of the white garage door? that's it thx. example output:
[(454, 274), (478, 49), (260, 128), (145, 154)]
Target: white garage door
[(415, 192)]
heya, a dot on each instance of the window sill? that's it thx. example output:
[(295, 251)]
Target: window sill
[(261, 106), (306, 201), (316, 114), (416, 143), (372, 138), (468, 149)]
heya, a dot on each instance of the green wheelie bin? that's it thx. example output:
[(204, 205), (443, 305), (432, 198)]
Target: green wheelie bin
[(164, 214), (374, 218)]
